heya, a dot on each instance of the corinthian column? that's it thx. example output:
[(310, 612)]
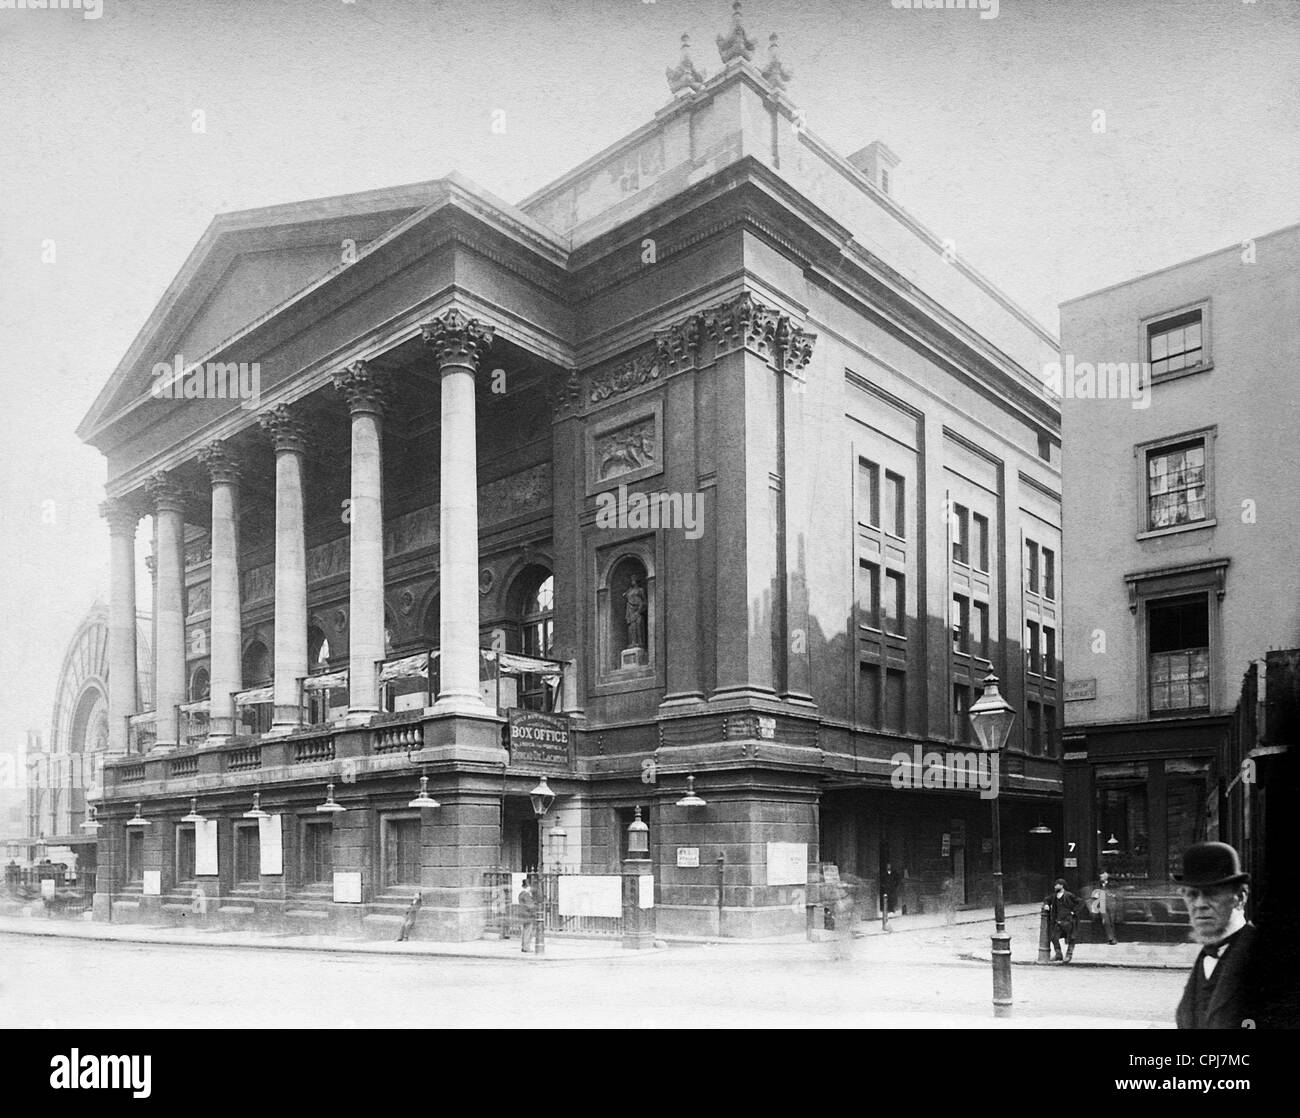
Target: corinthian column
[(226, 676), (458, 343), (122, 517), (289, 438), (365, 389), (169, 607)]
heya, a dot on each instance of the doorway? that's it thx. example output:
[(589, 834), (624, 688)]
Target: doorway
[(518, 835)]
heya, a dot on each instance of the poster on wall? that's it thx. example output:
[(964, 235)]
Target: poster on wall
[(205, 848), (598, 895), (787, 863), (347, 887), (271, 842), (646, 891), (152, 883)]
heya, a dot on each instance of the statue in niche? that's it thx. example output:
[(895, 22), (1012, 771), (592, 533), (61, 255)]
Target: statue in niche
[(634, 596)]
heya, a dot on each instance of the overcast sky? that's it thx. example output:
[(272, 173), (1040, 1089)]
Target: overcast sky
[(993, 120)]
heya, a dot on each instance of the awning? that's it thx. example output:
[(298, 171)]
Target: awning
[(254, 695), (408, 667), (512, 664), (326, 680), (198, 706)]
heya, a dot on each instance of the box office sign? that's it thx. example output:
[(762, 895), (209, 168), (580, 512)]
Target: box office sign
[(538, 739)]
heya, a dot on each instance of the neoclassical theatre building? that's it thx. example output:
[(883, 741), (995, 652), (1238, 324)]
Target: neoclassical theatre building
[(705, 460)]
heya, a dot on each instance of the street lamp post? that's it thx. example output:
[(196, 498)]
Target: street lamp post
[(991, 717), (542, 797)]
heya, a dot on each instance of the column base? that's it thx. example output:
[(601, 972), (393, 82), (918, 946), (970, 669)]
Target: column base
[(460, 704), (160, 747), (359, 717)]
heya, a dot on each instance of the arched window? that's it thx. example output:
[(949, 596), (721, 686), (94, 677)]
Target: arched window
[(318, 648), (199, 684), (431, 626), (256, 664), (533, 604)]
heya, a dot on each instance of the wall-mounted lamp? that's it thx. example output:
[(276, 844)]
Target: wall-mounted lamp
[(193, 815), (256, 812), (138, 820), (330, 805), (691, 799), (424, 799)]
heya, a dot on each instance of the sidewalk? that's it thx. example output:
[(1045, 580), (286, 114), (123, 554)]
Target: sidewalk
[(557, 949)]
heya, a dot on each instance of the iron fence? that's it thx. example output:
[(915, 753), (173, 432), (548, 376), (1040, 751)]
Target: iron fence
[(505, 914)]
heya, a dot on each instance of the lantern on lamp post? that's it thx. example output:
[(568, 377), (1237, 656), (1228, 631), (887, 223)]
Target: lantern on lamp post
[(991, 717)]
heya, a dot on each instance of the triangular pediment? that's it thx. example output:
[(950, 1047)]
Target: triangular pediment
[(246, 265)]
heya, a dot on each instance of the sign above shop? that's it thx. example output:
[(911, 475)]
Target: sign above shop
[(538, 739), (1077, 690)]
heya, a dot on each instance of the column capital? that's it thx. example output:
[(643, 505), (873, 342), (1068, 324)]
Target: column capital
[(365, 387), (166, 493), (122, 514), (220, 463), (287, 431), (457, 340)]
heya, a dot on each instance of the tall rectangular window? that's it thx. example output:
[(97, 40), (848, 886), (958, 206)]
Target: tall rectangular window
[(980, 544), (185, 852), (979, 630), (895, 603), (134, 854), (960, 623), (1032, 650), (1178, 654), (868, 510), (1034, 729), (1049, 574), (960, 534), (868, 594), (1176, 485), (248, 854), (1175, 343), (961, 727), (1049, 651), (317, 861), (401, 851), (896, 700), (895, 506), (1031, 566), (869, 694)]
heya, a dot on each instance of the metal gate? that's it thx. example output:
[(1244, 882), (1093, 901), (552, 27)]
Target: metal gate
[(504, 912)]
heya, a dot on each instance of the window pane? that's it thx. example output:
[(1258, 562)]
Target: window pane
[(868, 594), (868, 492), (1159, 346), (895, 508), (895, 603)]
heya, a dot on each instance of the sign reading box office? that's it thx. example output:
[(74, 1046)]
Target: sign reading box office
[(539, 739)]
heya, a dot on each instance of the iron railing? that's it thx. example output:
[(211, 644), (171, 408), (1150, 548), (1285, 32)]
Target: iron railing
[(504, 913)]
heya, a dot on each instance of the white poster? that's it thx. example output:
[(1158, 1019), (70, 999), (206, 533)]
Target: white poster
[(646, 891), (152, 883), (271, 841), (591, 895), (787, 863), (205, 848), (347, 887)]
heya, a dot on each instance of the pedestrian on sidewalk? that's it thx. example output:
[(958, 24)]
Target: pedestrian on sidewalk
[(889, 884), (528, 911), (1102, 904), (1062, 919)]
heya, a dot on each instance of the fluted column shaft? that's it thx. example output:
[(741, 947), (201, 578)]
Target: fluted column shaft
[(122, 519), (365, 391), (289, 437), (169, 607), (458, 343), (226, 674)]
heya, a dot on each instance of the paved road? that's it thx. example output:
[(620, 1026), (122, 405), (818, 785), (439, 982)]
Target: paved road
[(898, 982)]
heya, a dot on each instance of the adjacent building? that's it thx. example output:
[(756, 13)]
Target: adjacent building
[(708, 451), (1179, 413)]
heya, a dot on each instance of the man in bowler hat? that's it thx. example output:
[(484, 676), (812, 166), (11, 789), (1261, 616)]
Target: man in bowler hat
[(1062, 919), (1238, 980)]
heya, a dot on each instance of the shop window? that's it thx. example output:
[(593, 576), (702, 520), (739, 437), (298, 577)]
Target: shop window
[(1121, 814), (1188, 792)]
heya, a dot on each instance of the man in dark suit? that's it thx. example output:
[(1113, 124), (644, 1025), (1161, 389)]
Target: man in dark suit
[(1062, 919), (1238, 980)]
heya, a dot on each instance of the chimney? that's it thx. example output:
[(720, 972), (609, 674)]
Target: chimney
[(877, 162)]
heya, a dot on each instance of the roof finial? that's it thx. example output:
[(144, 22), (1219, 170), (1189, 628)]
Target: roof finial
[(736, 44), (777, 73), (684, 76)]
